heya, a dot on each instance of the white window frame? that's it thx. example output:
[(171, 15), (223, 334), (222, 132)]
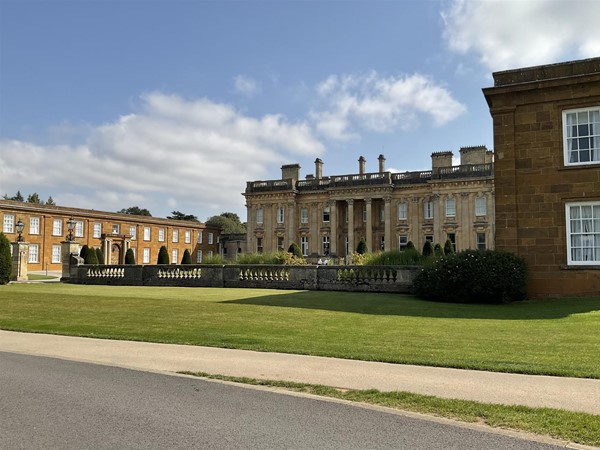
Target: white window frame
[(174, 256), (304, 215), (34, 253), (326, 245), (79, 228), (428, 210), (450, 207), (259, 216), (583, 233), (161, 235), (199, 237), (199, 257), (587, 122), (97, 230), (209, 253), (210, 238), (188, 237), (327, 214), (56, 254), (175, 236), (280, 215), (304, 245), (402, 211), (34, 225), (57, 227), (116, 228), (402, 241), (8, 225), (146, 256), (481, 240), (133, 232), (480, 206)]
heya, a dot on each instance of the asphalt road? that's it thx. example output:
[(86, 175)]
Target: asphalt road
[(48, 403)]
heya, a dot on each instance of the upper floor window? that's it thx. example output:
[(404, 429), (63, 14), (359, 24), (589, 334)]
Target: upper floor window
[(116, 228), (304, 215), (259, 216), (175, 235), (9, 223), (34, 225), (480, 206), (97, 229), (326, 214), (188, 236), (57, 227), (79, 228), (583, 233), (402, 211), (161, 235), (133, 232), (428, 210), (581, 134), (210, 238), (280, 215), (199, 237), (450, 207)]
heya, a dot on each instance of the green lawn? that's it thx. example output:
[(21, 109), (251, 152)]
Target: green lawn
[(558, 337)]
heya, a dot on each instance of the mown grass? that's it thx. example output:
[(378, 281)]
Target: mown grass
[(555, 337), (36, 277), (578, 427)]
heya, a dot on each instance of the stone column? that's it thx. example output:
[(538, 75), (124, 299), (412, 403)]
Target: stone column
[(291, 225), (437, 220), (315, 221), (369, 226), (387, 216), (20, 258), (333, 222), (67, 249), (350, 226)]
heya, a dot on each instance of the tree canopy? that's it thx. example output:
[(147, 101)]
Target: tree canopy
[(227, 222), (136, 211), (178, 215)]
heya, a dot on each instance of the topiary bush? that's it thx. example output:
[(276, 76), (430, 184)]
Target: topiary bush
[(5, 259), (90, 257), (448, 247), (361, 248), (437, 250), (187, 257), (427, 249), (163, 255), (295, 250), (474, 276), (129, 256), (84, 250), (100, 255), (410, 245)]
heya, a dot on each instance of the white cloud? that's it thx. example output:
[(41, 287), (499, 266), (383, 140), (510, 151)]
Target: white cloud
[(512, 34), (245, 85), (380, 104), (197, 154)]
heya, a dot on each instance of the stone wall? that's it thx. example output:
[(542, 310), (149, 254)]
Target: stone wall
[(310, 277)]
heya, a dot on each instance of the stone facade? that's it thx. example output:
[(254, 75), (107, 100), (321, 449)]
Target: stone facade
[(46, 228), (327, 216), (547, 173)]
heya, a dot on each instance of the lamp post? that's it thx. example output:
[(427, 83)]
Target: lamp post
[(20, 227), (70, 227)]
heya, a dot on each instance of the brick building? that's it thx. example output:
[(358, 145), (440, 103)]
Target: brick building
[(329, 215), (547, 172), (46, 227)]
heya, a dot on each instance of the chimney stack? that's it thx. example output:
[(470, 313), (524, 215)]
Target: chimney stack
[(381, 163), (361, 165), (318, 168)]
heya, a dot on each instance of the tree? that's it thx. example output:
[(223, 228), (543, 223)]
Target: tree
[(136, 211), (163, 256), (34, 198), (5, 259), (227, 222), (100, 255), (178, 215), (129, 256), (295, 250), (17, 197), (50, 201), (427, 248), (361, 248), (187, 257), (448, 247)]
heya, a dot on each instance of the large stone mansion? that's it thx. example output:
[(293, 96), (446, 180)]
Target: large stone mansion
[(329, 215)]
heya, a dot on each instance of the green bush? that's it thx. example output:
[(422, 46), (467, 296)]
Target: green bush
[(437, 250), (474, 276), (129, 256), (187, 257), (361, 248), (163, 255), (295, 250), (215, 259), (84, 250), (448, 247), (406, 257), (90, 257), (100, 255), (410, 245), (427, 249), (5, 259)]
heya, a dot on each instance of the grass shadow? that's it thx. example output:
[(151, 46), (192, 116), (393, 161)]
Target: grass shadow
[(407, 305)]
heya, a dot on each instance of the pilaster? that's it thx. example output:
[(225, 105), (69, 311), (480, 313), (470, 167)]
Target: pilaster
[(20, 257)]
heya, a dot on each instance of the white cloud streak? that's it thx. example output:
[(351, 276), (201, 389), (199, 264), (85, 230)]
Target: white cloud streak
[(380, 104), (508, 34), (245, 85)]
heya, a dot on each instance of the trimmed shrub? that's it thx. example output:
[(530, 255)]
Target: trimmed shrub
[(361, 248), (437, 250), (448, 247), (410, 245), (427, 249), (215, 259), (5, 259), (129, 256), (295, 250), (187, 257), (90, 257), (474, 276), (100, 255), (84, 250), (395, 258), (163, 256)]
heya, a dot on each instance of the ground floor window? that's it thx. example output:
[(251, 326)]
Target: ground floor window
[(382, 243), (452, 238), (481, 241), (55, 254), (34, 253), (304, 245), (402, 242), (583, 233), (279, 244), (259, 245), (199, 256), (174, 256), (326, 245), (146, 256)]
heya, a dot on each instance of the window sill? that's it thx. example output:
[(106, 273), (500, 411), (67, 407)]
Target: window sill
[(580, 267)]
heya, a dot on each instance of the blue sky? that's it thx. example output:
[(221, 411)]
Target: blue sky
[(174, 105)]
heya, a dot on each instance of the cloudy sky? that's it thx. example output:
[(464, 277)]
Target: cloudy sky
[(175, 104)]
